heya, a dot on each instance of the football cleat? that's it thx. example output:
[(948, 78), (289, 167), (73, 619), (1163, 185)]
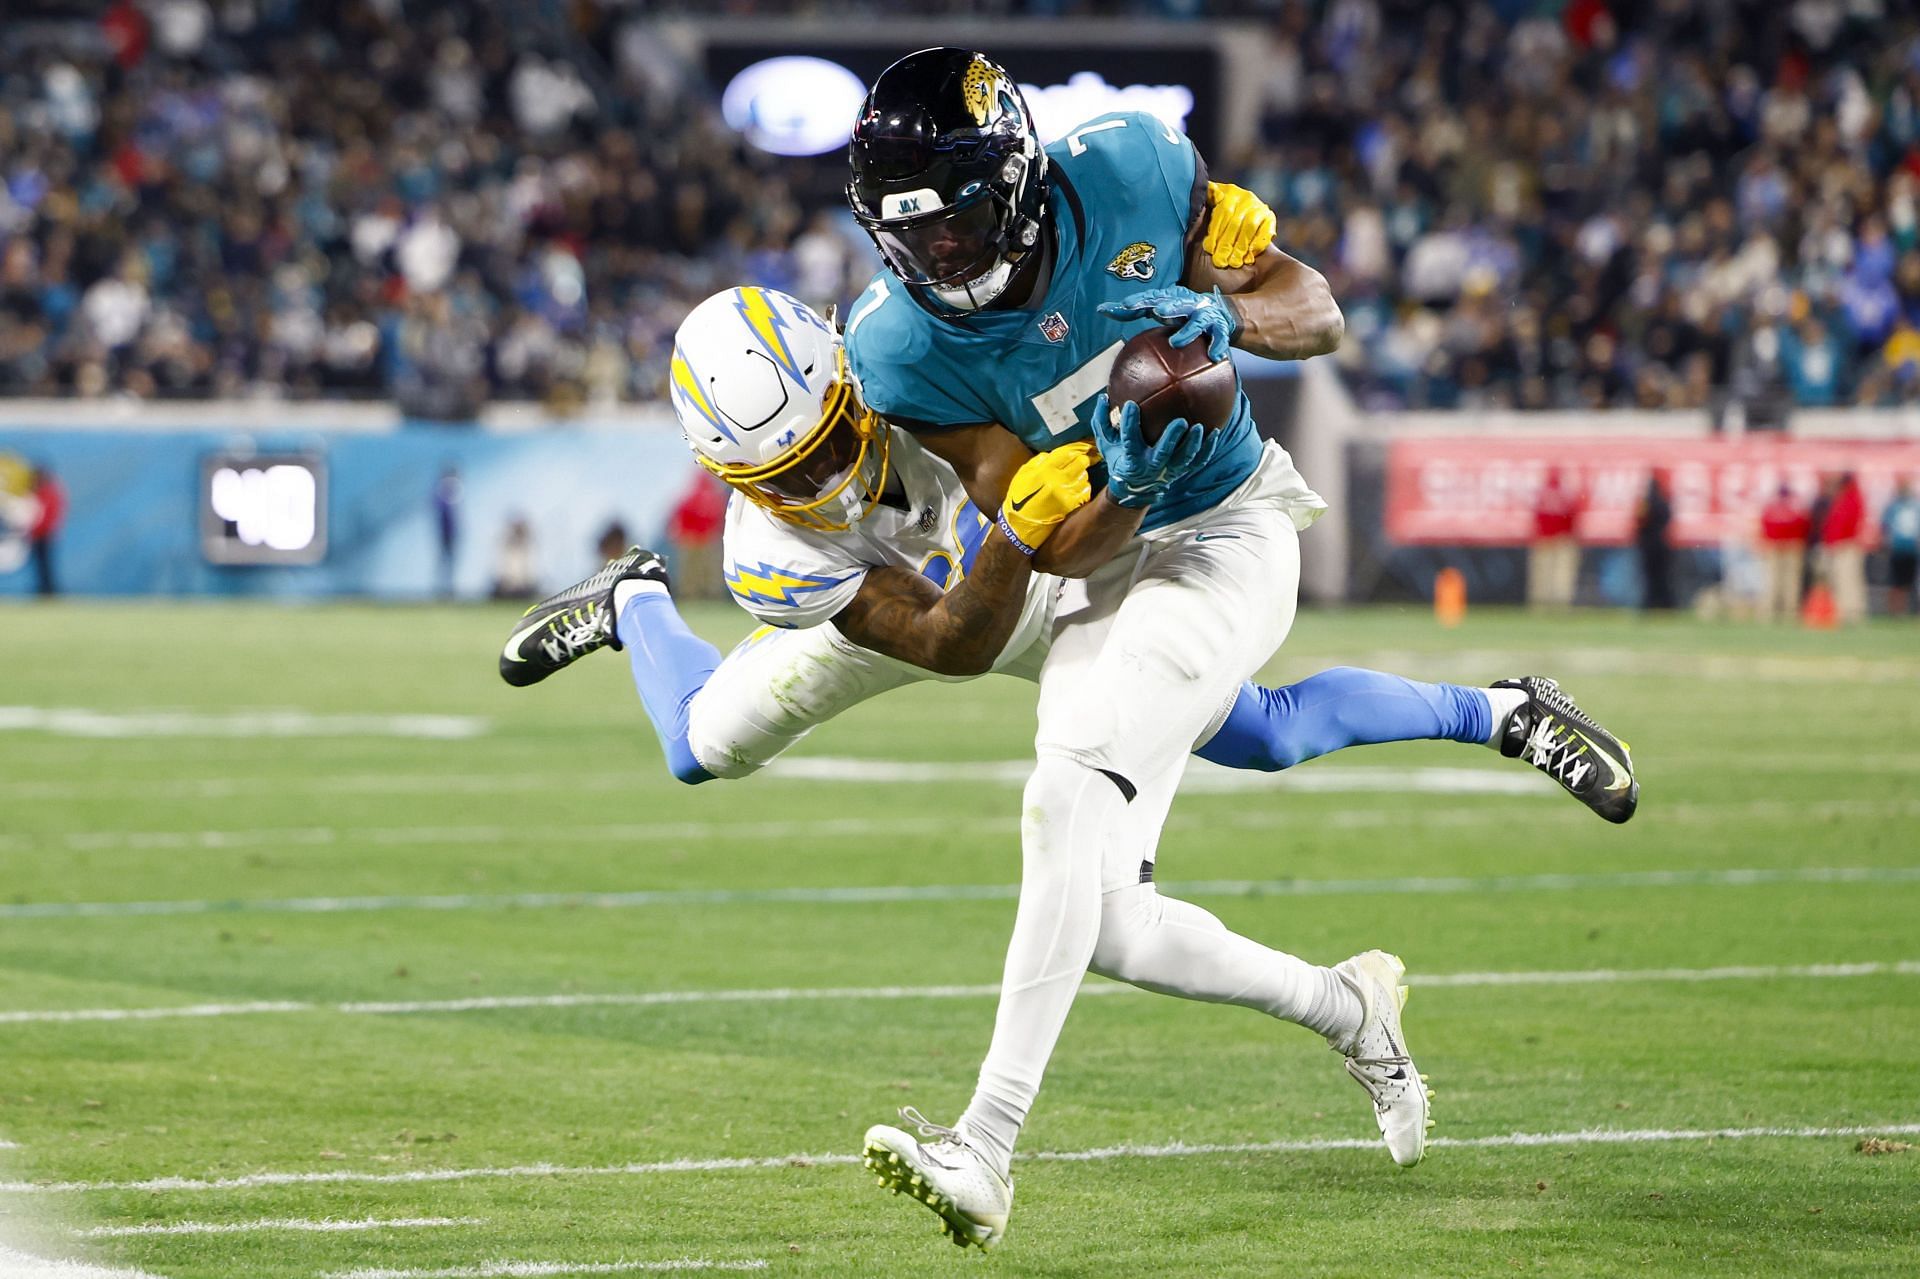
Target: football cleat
[(1549, 732), (1377, 1056), (564, 627), (946, 1174)]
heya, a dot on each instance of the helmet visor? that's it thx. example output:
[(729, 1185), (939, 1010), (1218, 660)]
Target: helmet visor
[(949, 247)]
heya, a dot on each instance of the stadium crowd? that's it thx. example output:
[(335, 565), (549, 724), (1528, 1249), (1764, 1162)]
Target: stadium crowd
[(1595, 202)]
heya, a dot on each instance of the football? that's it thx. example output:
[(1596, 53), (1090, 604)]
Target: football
[(1167, 382)]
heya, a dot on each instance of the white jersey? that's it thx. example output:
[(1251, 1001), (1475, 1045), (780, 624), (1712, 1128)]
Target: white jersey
[(795, 577)]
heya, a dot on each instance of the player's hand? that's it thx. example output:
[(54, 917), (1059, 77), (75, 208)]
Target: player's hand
[(1240, 226), (1138, 472), (1191, 315), (1044, 491)]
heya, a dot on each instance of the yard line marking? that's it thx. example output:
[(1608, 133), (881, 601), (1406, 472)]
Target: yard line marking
[(840, 827), (326, 1226), (886, 893), (792, 994), (1201, 777), (77, 721), (19, 1265), (1169, 1150), (9, 1145), (532, 1269), (1474, 664), (200, 787)]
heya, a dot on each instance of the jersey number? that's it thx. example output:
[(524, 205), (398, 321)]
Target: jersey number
[(1059, 405)]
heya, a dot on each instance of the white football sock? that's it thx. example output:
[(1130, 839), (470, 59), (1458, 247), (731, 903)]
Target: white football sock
[(623, 592), (1070, 812), (1177, 948), (1504, 701)]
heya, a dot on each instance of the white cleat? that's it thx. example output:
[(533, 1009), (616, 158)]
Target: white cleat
[(946, 1174), (1378, 1056)]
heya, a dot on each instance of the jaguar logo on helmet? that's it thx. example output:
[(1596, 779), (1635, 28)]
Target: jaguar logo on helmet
[(1135, 262), (984, 87)]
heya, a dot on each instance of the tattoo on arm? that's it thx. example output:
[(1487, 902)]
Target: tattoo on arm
[(958, 632)]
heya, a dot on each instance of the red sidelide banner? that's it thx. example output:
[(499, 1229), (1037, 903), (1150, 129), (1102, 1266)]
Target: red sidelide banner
[(1479, 490)]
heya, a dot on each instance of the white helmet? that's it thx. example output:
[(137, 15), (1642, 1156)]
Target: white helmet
[(762, 393)]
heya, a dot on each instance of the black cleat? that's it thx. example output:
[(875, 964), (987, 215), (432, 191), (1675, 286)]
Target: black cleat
[(563, 628), (1563, 741)]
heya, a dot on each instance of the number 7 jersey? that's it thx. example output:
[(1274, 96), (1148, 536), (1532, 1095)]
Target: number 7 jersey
[(1126, 191)]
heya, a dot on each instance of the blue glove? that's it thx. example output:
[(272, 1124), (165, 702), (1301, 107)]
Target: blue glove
[(1192, 315), (1138, 473)]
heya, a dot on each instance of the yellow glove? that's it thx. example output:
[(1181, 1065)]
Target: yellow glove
[(1239, 226), (1050, 487)]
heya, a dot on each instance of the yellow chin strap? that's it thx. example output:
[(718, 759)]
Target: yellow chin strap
[(753, 481)]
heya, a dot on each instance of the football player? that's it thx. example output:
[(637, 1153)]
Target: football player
[(872, 569), (1013, 275)]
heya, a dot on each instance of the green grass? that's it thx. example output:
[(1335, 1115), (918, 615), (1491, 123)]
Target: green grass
[(1759, 749)]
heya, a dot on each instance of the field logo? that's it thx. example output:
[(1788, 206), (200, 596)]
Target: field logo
[(1135, 262)]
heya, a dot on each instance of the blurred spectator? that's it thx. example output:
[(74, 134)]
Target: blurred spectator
[(1589, 204), (50, 512), (1843, 551), (1783, 545), (1651, 523), (446, 517), (1553, 557), (1900, 530), (613, 541), (693, 534), (513, 575)]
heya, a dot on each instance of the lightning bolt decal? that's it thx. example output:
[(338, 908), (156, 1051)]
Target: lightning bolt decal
[(770, 327), (687, 390), (764, 584)]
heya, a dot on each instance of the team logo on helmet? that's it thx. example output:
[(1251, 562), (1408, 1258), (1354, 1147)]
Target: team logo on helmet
[(1135, 262), (985, 90)]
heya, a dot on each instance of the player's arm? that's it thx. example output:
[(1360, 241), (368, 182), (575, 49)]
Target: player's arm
[(962, 631), (1283, 307), (987, 456)]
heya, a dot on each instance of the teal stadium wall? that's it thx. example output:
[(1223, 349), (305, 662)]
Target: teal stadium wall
[(133, 528)]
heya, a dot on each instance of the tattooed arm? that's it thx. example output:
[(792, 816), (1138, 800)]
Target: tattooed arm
[(958, 632)]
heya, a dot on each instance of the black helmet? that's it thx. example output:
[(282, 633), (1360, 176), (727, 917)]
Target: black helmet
[(948, 176)]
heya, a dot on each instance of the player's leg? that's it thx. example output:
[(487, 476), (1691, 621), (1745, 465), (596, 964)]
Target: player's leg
[(1135, 674), (1531, 719), (730, 718)]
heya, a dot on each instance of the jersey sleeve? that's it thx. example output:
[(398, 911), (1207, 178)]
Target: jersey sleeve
[(895, 368), (783, 576)]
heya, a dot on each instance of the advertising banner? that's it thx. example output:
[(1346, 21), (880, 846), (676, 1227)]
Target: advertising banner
[(1464, 491)]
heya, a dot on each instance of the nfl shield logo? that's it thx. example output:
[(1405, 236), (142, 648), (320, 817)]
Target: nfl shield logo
[(1053, 327)]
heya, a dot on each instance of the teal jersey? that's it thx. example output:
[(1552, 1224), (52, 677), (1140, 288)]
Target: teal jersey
[(1126, 193)]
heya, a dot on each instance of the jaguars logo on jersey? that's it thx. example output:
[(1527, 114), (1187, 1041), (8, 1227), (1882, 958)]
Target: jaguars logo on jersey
[(1135, 262), (985, 92)]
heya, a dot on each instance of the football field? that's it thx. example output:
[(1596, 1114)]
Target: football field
[(324, 953)]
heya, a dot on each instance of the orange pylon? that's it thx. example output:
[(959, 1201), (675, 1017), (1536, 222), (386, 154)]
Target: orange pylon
[(1818, 612), (1449, 597)]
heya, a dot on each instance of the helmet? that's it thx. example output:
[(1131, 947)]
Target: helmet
[(762, 392), (948, 177)]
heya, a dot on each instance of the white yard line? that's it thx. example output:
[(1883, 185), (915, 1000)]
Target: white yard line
[(76, 721), (326, 1226), (533, 1269), (1772, 811), (20, 1265), (1169, 1150), (790, 994), (881, 893)]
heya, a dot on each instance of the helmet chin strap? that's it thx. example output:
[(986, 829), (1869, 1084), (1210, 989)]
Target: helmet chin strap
[(977, 292)]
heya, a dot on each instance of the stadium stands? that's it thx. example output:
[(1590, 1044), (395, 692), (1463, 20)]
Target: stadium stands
[(1627, 202)]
